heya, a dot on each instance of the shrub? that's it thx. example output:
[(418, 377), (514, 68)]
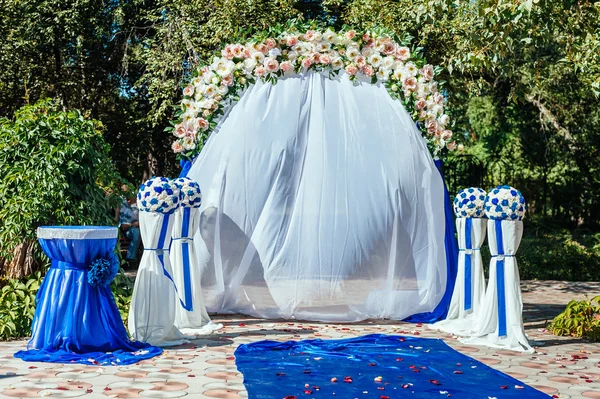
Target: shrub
[(54, 170), (17, 306), (579, 319)]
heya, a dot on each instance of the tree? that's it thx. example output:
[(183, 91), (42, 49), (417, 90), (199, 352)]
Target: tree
[(55, 169)]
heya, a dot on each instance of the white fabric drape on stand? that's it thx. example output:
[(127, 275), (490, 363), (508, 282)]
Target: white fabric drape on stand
[(490, 320), (321, 202), (152, 311), (184, 262), (462, 314)]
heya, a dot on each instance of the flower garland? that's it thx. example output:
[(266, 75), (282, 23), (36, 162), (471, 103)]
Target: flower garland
[(103, 270), (284, 52)]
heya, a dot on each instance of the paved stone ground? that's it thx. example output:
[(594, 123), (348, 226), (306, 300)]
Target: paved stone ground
[(562, 367)]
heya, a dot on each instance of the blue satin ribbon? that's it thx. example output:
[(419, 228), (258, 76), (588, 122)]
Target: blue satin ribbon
[(500, 280), (57, 264), (187, 279), (160, 252), (186, 165), (468, 265)]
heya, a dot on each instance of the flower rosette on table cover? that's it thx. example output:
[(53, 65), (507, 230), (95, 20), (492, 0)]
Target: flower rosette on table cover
[(500, 322), (375, 56), (470, 281), (191, 316), (151, 315), (76, 318)]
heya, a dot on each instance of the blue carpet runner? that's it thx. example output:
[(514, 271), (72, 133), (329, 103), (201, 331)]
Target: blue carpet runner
[(371, 367)]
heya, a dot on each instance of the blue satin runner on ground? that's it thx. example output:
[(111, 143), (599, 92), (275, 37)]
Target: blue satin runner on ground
[(440, 312), (75, 322), (409, 367)]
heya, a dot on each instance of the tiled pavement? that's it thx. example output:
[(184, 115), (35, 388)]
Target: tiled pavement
[(562, 367)]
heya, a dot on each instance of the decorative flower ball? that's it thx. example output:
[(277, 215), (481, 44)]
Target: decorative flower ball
[(505, 203), (190, 194), (158, 194), (103, 270), (469, 203)]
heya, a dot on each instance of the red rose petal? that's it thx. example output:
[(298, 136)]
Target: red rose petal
[(242, 324), (290, 397), (279, 374), (307, 391), (372, 364), (504, 387), (405, 385), (384, 397), (191, 375), (348, 379), (435, 382), (457, 372), (399, 359)]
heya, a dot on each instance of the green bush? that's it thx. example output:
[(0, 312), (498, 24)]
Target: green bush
[(580, 319), (55, 169), (122, 288), (17, 306)]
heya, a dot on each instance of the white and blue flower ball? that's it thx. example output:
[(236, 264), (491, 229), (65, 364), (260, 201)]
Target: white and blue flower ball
[(505, 203), (158, 194), (190, 193), (469, 203)]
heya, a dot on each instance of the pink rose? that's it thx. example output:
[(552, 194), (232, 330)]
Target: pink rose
[(202, 124), (446, 135), (286, 66), (368, 70), (206, 113), (238, 51), (260, 71), (307, 62), (272, 65), (292, 41), (179, 131), (451, 146), (389, 48), (403, 53), (360, 61), (204, 70), (188, 91), (409, 83), (350, 34), (315, 58), (247, 53), (227, 52), (325, 59), (420, 104), (427, 72), (438, 98), (177, 147), (310, 35), (263, 48), (351, 69), (366, 37), (227, 81), (271, 43)]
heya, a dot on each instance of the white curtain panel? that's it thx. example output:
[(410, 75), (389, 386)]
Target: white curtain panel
[(470, 281), (154, 300), (191, 316), (321, 202), (500, 322)]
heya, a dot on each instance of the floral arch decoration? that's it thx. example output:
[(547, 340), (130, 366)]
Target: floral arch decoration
[(287, 51)]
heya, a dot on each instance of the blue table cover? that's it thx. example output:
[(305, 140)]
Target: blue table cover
[(75, 322), (371, 367)]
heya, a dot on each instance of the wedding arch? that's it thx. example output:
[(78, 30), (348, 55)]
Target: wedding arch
[(315, 153)]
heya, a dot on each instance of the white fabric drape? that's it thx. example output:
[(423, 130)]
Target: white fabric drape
[(195, 321), (487, 329), (321, 202), (461, 317), (152, 310)]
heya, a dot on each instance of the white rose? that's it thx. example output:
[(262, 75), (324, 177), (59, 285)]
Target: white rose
[(375, 60), (292, 55), (444, 119), (337, 63), (352, 52), (383, 74), (258, 57), (323, 47), (274, 52), (249, 65), (367, 52), (329, 36)]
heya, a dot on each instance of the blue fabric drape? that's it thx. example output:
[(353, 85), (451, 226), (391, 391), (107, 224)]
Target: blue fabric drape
[(500, 280), (185, 167), (412, 367), (441, 310), (75, 322)]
